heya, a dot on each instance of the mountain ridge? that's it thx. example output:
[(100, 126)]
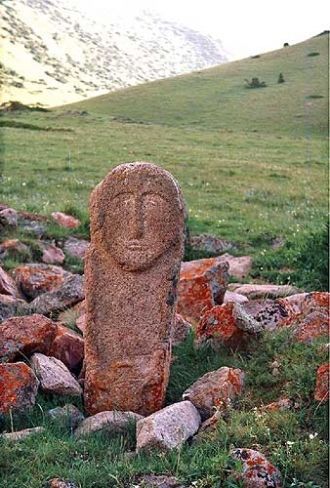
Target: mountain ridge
[(55, 53)]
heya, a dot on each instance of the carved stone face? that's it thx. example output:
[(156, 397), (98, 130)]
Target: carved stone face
[(141, 220)]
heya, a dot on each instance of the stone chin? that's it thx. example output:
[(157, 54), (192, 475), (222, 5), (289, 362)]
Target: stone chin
[(136, 260)]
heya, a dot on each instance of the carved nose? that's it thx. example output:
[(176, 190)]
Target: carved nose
[(137, 220)]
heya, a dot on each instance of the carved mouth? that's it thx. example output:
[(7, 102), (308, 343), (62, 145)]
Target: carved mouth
[(134, 246)]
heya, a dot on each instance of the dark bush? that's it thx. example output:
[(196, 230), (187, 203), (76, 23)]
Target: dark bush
[(314, 53), (255, 83), (280, 78)]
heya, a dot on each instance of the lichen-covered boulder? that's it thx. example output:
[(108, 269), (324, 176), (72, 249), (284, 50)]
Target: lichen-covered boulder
[(321, 393), (22, 336), (108, 421), (68, 347), (54, 376), (258, 472), (202, 285), (214, 389), (18, 387), (35, 279)]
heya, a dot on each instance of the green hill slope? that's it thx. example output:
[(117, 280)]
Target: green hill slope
[(218, 98), (252, 163)]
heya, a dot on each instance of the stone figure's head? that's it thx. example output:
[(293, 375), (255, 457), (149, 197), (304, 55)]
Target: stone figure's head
[(140, 214)]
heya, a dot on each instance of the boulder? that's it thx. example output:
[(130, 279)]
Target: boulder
[(18, 387), (215, 389), (68, 416), (65, 296), (180, 331), (258, 472), (54, 376), (35, 279), (210, 244), (202, 285), (254, 291), (68, 347), (313, 326), (65, 220), (231, 297), (52, 255), (8, 217), (302, 304), (7, 285), (228, 325), (24, 335), (239, 267), (321, 393), (11, 306), (21, 435), (15, 249), (107, 421), (168, 428), (269, 313), (76, 248)]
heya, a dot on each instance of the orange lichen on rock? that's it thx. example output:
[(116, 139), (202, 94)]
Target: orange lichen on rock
[(202, 285), (22, 336), (18, 387), (219, 323), (35, 279), (321, 393)]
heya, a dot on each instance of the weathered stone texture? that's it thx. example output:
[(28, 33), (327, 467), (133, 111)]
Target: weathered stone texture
[(168, 428), (132, 267), (18, 387)]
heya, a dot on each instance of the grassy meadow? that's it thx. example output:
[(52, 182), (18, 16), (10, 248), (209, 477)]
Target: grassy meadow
[(253, 167)]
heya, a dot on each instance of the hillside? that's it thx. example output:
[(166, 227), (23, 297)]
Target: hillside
[(218, 99), (252, 163), (54, 52)]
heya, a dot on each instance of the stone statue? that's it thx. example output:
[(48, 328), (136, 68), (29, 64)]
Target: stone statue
[(132, 269)]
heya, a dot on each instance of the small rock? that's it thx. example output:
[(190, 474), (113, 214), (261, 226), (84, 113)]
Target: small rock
[(180, 332), (65, 220), (239, 267), (81, 323), (215, 389), (68, 347), (18, 387), (157, 481), (113, 421), (10, 306), (8, 217), (20, 435), (70, 416), (280, 405), (258, 472), (210, 244), (60, 483), (321, 393), (65, 296), (54, 376), (52, 255), (252, 291), (231, 297), (7, 285), (302, 304), (76, 248), (22, 336), (33, 227), (35, 279), (15, 249), (202, 285), (168, 428)]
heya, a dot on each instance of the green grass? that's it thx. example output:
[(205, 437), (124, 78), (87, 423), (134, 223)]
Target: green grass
[(102, 460)]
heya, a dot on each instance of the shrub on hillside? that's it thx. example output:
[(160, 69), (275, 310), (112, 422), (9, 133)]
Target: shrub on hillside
[(255, 83), (281, 78)]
